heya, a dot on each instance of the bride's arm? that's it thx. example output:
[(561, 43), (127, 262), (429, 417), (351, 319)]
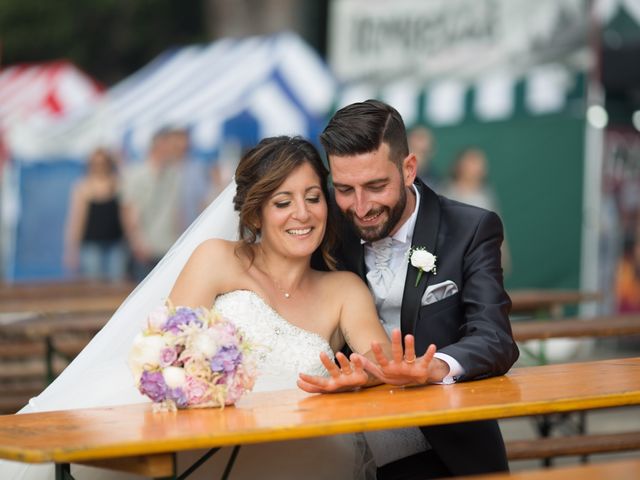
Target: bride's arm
[(360, 328), (377, 360), (201, 279)]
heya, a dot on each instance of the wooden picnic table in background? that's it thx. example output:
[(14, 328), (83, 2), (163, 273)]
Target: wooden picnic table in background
[(68, 296), (112, 436), (66, 289), (548, 301), (55, 305), (43, 326), (592, 327)]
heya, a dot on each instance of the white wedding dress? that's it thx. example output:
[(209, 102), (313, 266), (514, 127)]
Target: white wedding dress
[(282, 350), (99, 376)]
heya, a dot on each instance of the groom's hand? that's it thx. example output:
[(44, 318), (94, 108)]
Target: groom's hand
[(349, 376), (403, 367)]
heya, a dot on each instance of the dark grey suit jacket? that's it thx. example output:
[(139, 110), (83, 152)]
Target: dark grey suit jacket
[(472, 326)]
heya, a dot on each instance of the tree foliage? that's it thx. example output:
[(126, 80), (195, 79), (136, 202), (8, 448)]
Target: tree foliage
[(107, 38)]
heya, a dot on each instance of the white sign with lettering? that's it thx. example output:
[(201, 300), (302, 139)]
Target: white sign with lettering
[(380, 39)]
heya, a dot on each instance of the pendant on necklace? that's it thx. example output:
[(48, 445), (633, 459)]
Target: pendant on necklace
[(286, 295)]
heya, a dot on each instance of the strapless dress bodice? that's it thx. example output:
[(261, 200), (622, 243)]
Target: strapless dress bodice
[(282, 350)]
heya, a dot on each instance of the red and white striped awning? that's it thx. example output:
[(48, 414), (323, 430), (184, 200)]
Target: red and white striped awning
[(50, 89), (43, 91)]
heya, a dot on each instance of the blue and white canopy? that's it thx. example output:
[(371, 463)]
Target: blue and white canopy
[(244, 89), (229, 94)]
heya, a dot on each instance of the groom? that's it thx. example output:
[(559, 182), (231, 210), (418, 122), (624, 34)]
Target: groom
[(460, 305)]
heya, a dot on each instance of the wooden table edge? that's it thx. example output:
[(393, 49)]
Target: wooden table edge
[(59, 455)]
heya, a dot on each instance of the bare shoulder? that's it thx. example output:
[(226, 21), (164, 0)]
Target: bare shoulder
[(207, 273), (216, 255), (215, 247), (81, 189)]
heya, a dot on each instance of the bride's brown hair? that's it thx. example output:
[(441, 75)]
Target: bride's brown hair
[(261, 171)]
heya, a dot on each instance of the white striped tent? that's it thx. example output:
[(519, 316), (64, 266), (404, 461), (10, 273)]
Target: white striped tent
[(233, 90)]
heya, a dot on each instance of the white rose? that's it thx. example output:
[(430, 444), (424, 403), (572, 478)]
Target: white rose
[(158, 317), (174, 377), (423, 259), (145, 351), (205, 344)]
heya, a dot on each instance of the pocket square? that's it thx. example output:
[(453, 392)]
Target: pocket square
[(437, 292)]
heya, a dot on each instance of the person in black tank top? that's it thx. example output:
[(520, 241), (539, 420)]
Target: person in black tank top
[(94, 241), (103, 221)]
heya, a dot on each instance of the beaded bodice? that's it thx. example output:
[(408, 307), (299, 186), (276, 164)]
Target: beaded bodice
[(282, 349)]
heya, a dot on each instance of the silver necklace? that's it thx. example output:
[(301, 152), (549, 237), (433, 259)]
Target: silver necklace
[(282, 290)]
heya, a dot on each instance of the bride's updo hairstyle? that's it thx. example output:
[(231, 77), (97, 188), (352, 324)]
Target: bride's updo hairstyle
[(261, 171)]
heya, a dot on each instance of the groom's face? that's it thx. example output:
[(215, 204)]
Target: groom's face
[(371, 191)]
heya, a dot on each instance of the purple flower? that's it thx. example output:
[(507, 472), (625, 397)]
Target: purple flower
[(179, 396), (183, 316), (168, 355), (226, 360), (153, 386)]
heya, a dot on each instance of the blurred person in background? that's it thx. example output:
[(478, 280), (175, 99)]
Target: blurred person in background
[(422, 145), (194, 176), (468, 184), (151, 198), (221, 172), (628, 276), (94, 242), (468, 180)]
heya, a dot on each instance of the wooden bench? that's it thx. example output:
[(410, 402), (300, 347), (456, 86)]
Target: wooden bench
[(573, 445), (548, 447), (34, 351), (602, 326), (548, 302), (614, 470), (24, 371)]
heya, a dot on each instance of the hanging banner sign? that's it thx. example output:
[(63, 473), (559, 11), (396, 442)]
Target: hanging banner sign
[(383, 39)]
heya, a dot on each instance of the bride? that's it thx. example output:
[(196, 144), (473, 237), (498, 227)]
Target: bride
[(264, 282)]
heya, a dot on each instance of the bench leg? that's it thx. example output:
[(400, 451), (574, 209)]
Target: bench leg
[(547, 423), (63, 471), (230, 463), (205, 457)]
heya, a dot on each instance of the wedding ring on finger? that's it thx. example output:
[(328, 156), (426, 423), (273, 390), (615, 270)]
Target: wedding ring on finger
[(410, 360)]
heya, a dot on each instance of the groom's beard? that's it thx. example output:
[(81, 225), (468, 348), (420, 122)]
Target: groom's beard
[(377, 232)]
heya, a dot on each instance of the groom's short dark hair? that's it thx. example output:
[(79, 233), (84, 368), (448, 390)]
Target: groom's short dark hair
[(362, 127)]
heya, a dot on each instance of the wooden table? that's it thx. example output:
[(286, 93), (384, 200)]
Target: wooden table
[(548, 301), (133, 434)]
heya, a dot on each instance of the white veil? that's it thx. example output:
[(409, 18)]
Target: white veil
[(99, 375)]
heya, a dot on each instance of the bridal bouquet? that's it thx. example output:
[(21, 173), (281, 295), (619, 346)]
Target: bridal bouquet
[(191, 358)]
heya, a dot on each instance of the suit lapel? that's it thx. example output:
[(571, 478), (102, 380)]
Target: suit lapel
[(425, 235)]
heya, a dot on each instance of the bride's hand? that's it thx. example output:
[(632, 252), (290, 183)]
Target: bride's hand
[(349, 376), (403, 368)]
